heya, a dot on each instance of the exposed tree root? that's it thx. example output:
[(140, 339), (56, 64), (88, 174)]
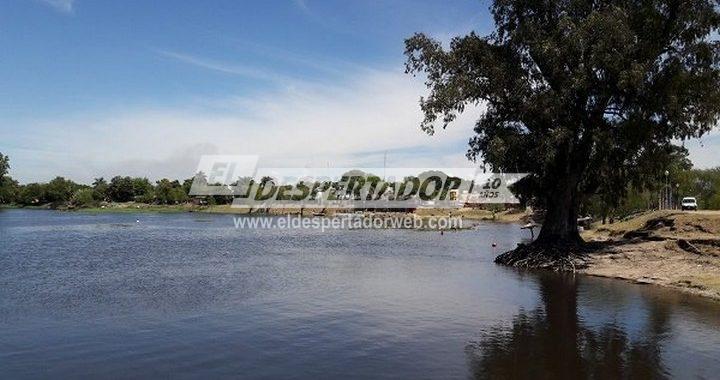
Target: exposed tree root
[(557, 257), (688, 246)]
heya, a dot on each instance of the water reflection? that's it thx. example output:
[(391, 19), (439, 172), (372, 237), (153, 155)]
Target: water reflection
[(551, 341)]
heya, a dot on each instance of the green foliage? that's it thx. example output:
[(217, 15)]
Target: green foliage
[(141, 187), (100, 189), (225, 197), (585, 95), (4, 165), (187, 185), (31, 194), (9, 189), (84, 198), (170, 192), (147, 197), (8, 186), (121, 189), (178, 195), (703, 184), (59, 190), (713, 202), (125, 189)]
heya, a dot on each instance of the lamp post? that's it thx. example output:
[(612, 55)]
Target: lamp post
[(666, 190)]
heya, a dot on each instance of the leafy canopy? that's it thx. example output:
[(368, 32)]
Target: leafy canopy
[(580, 93), (4, 165)]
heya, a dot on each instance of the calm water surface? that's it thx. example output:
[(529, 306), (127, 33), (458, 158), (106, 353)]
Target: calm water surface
[(185, 295)]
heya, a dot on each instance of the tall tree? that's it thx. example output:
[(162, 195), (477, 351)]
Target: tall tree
[(8, 186), (100, 189), (60, 190), (579, 93), (4, 165), (121, 189)]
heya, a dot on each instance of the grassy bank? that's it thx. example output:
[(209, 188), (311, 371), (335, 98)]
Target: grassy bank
[(674, 249)]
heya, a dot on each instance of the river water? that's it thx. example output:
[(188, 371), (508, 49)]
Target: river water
[(127, 295)]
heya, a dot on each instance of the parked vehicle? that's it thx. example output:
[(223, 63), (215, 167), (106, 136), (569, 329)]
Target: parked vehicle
[(689, 203)]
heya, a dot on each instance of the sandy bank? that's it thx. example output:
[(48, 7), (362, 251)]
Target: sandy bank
[(676, 249)]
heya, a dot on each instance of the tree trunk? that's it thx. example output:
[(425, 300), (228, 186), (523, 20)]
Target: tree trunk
[(560, 225), (559, 237)]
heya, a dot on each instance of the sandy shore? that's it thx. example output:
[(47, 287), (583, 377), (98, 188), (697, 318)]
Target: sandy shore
[(679, 250)]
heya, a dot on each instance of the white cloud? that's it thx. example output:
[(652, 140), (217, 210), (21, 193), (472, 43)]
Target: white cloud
[(302, 125), (65, 6), (224, 67)]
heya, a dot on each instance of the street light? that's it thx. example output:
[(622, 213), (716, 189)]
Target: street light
[(666, 190)]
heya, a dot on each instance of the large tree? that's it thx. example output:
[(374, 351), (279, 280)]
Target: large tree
[(4, 164), (8, 186), (582, 94)]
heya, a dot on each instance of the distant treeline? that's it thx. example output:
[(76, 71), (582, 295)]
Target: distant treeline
[(703, 184), (62, 191)]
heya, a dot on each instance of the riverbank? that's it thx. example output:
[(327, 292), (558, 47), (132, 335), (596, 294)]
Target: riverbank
[(473, 214), (674, 249)]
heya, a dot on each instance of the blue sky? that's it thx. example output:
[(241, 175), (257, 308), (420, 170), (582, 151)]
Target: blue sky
[(97, 87)]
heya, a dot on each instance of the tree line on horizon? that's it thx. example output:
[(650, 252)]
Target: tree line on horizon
[(704, 184), (61, 191)]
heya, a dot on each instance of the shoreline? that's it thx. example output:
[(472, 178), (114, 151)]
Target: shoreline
[(672, 249), (473, 214)]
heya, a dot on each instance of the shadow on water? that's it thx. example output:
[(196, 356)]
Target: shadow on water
[(551, 341)]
